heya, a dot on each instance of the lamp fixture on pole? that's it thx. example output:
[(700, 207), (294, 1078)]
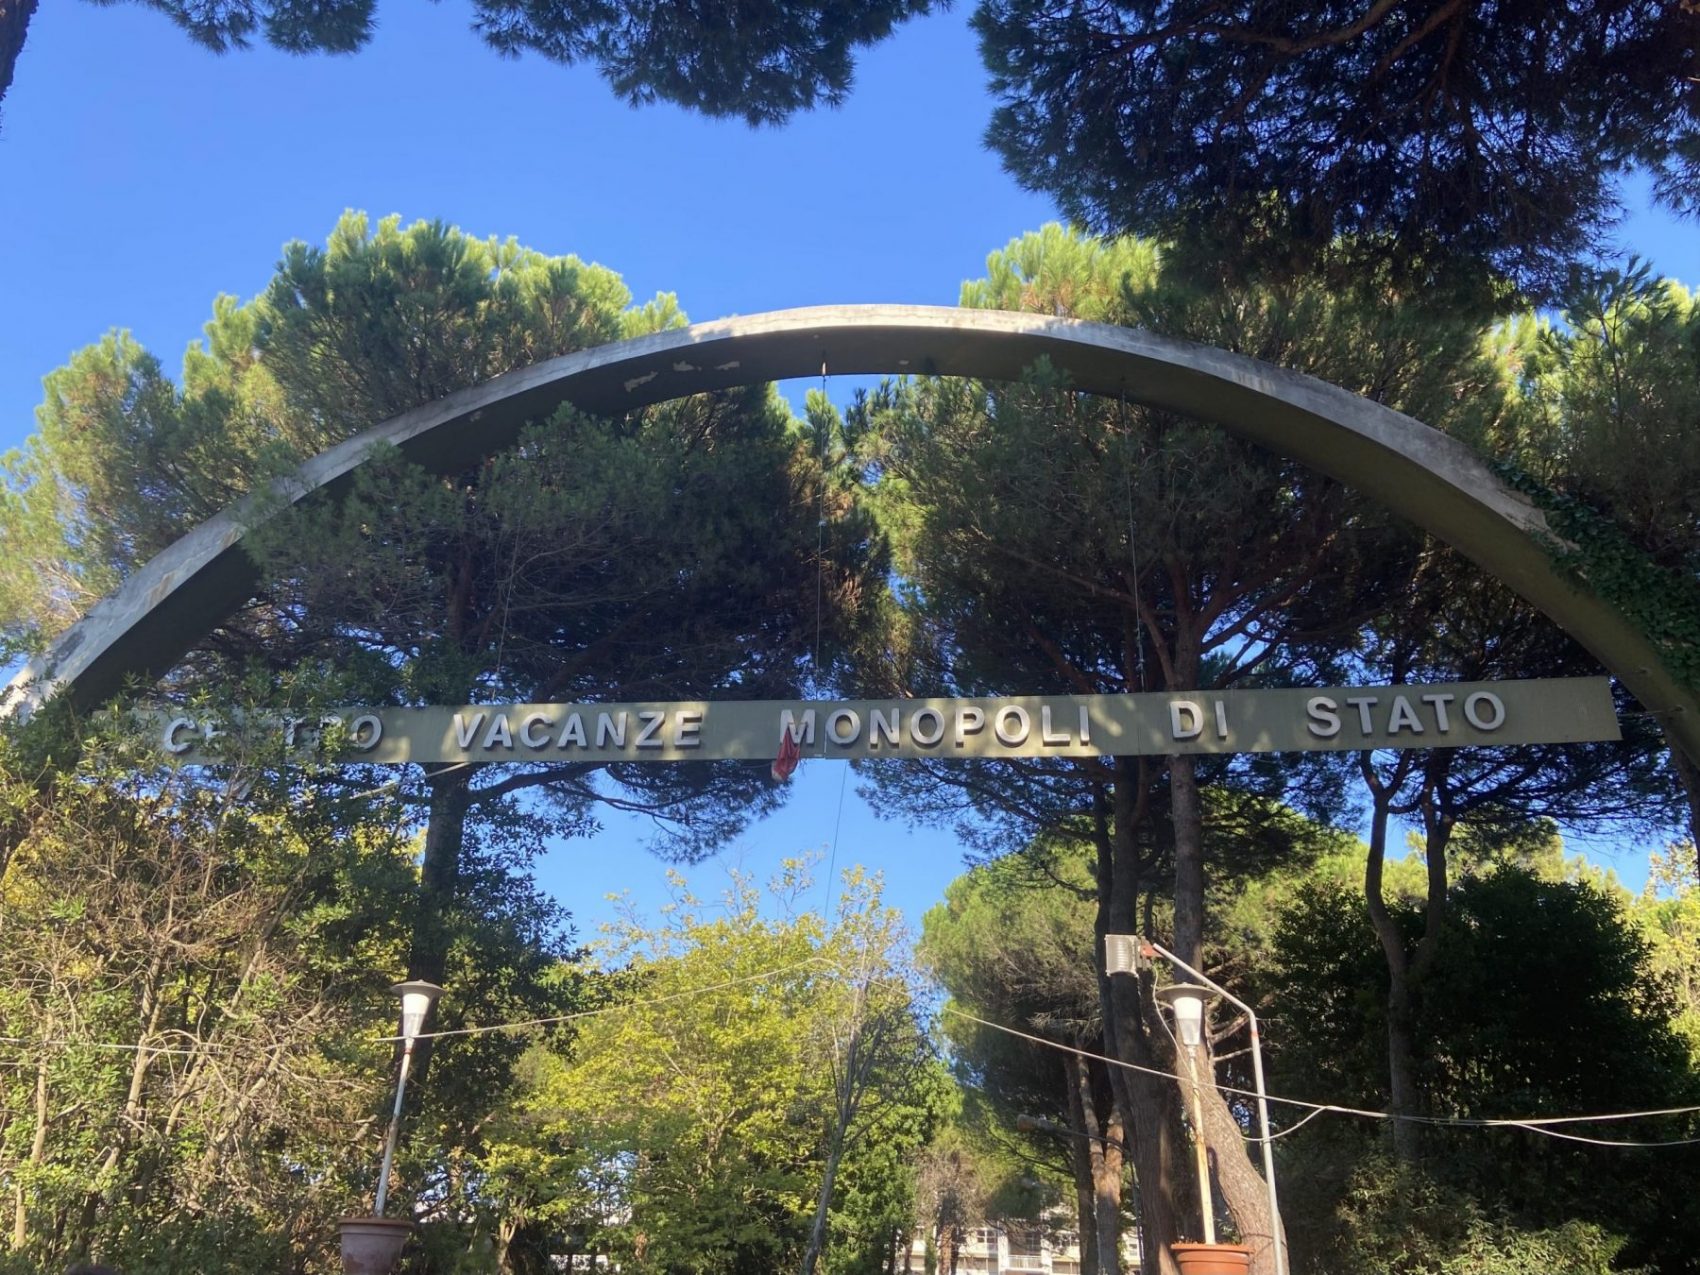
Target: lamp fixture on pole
[(1186, 1004), (417, 997), (1186, 1000)]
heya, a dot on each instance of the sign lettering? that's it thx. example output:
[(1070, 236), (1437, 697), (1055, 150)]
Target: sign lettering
[(1456, 715)]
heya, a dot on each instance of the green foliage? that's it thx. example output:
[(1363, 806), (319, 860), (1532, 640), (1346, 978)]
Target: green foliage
[(194, 987), (1432, 136), (670, 553), (1609, 397), (384, 318), (1012, 506), (1661, 602), (1601, 441), (1668, 913), (667, 554), (1542, 1001), (763, 62), (1053, 541), (687, 1129), (1013, 944), (1401, 1221)]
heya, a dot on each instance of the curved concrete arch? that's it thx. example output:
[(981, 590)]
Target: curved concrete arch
[(1437, 482)]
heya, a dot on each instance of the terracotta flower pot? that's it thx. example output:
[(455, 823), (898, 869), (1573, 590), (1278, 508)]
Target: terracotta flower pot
[(1212, 1259), (370, 1245)]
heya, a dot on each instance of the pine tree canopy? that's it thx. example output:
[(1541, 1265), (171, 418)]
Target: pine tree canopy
[(1439, 131), (763, 60)]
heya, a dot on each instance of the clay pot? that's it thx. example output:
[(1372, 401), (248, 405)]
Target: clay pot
[(1212, 1259), (370, 1245)]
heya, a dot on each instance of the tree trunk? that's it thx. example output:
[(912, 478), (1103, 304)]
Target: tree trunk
[(439, 872), (38, 1154), (1080, 1159), (1401, 1036), (439, 883), (1107, 1171), (817, 1233), (1100, 1216), (847, 1100), (1148, 1102), (1188, 818), (1242, 1186)]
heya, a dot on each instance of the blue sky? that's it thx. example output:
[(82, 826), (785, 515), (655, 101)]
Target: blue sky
[(140, 176)]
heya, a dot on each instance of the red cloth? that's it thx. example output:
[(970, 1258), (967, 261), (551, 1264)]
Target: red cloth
[(790, 753)]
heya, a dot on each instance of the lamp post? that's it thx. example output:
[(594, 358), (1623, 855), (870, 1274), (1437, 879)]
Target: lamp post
[(1121, 956), (370, 1245), (1186, 1003), (417, 997)]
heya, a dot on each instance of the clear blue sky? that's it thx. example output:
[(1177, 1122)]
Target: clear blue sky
[(140, 176)]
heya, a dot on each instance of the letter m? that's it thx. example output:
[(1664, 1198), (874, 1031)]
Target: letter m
[(802, 732)]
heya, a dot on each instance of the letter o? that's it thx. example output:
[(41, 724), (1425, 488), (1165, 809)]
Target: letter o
[(365, 731), (1494, 702), (843, 716), (1024, 724), (933, 734)]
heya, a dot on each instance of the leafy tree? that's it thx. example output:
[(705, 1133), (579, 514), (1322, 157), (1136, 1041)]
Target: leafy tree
[(1013, 944), (1434, 132), (1668, 912), (1450, 623), (1056, 542), (194, 989), (528, 578), (761, 61), (1601, 440), (1608, 390), (671, 554), (1543, 1004), (705, 1112)]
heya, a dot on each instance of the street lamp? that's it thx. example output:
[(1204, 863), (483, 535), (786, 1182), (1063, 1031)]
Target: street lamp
[(1186, 1002), (417, 997)]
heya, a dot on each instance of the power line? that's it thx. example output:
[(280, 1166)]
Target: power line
[(1534, 1124), (688, 994)]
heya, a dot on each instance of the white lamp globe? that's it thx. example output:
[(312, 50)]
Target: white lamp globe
[(1186, 1002), (417, 997)]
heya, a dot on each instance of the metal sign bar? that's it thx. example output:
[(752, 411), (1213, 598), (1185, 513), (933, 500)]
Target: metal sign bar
[(1450, 715)]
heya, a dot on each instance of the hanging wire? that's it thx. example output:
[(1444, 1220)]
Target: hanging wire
[(1534, 1124), (1132, 541), (832, 848), (820, 529), (688, 994), (820, 573), (1543, 1125)]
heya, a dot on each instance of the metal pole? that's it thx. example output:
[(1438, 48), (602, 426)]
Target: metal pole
[(394, 1131), (1201, 1152), (1262, 1097)]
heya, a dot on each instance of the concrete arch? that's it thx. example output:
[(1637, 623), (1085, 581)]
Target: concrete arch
[(1437, 482)]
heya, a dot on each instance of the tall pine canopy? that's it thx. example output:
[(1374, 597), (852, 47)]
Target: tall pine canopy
[(759, 60), (1432, 130)]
